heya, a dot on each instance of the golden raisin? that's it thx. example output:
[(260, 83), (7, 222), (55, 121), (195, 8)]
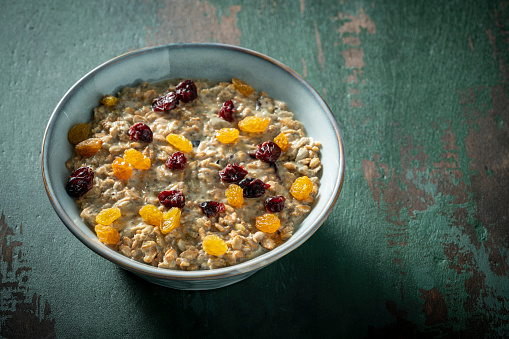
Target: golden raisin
[(78, 133), (136, 159), (171, 220), (282, 142), (268, 223), (242, 87), (122, 169), (180, 142), (214, 245), (254, 124), (227, 135), (151, 215), (107, 234), (235, 195), (301, 188), (88, 147), (107, 216), (109, 100)]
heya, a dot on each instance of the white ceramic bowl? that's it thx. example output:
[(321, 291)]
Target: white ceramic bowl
[(210, 61)]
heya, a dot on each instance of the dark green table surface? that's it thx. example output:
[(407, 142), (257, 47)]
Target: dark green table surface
[(418, 242)]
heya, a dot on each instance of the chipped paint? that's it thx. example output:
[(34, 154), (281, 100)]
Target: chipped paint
[(321, 58)]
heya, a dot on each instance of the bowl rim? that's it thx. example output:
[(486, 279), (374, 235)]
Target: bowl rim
[(168, 274)]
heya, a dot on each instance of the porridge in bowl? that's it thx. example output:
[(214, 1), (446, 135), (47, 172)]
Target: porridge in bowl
[(193, 175)]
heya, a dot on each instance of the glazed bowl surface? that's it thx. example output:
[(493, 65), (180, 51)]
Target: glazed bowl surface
[(215, 62)]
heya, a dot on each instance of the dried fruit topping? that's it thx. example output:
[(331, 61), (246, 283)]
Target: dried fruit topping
[(109, 100), (214, 245), (186, 91), (78, 133), (254, 124), (122, 169), (275, 204), (282, 142), (269, 152), (232, 173), (107, 216), (227, 110), (235, 195), (136, 159), (268, 223), (165, 102), (211, 208), (253, 188), (80, 182), (140, 131), (242, 87), (151, 215), (180, 142), (171, 220), (88, 147), (227, 135), (176, 161), (173, 198), (107, 234), (301, 188)]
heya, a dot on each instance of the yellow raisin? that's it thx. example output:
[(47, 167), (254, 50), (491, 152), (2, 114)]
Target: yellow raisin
[(235, 195), (268, 223), (88, 147), (78, 133), (107, 234), (109, 100), (227, 135), (282, 142), (301, 188), (151, 215), (214, 245), (136, 159), (122, 169), (254, 124), (171, 220), (107, 216), (180, 142), (242, 87)]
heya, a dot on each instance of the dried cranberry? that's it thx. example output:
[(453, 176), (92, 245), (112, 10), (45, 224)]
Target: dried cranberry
[(227, 110), (186, 91), (165, 102), (176, 161), (140, 131), (80, 182), (232, 173), (253, 188), (211, 208), (269, 152), (173, 198), (275, 204)]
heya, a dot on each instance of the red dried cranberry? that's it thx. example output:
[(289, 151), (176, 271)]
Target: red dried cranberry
[(232, 173), (275, 204), (173, 198), (211, 208), (186, 91), (227, 110), (176, 161), (140, 131), (80, 182), (253, 188), (165, 102), (269, 152)]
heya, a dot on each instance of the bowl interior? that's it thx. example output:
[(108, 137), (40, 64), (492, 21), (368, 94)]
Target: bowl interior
[(205, 61)]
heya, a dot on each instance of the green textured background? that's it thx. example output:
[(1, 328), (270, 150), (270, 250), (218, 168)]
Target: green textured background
[(417, 245)]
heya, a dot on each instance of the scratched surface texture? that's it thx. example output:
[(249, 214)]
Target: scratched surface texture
[(418, 243)]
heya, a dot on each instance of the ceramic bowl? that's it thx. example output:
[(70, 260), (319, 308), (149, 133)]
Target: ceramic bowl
[(216, 62)]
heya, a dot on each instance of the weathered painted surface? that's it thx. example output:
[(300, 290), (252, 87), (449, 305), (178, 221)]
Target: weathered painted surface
[(417, 245)]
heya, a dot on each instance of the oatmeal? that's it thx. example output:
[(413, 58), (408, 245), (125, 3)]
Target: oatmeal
[(193, 175)]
